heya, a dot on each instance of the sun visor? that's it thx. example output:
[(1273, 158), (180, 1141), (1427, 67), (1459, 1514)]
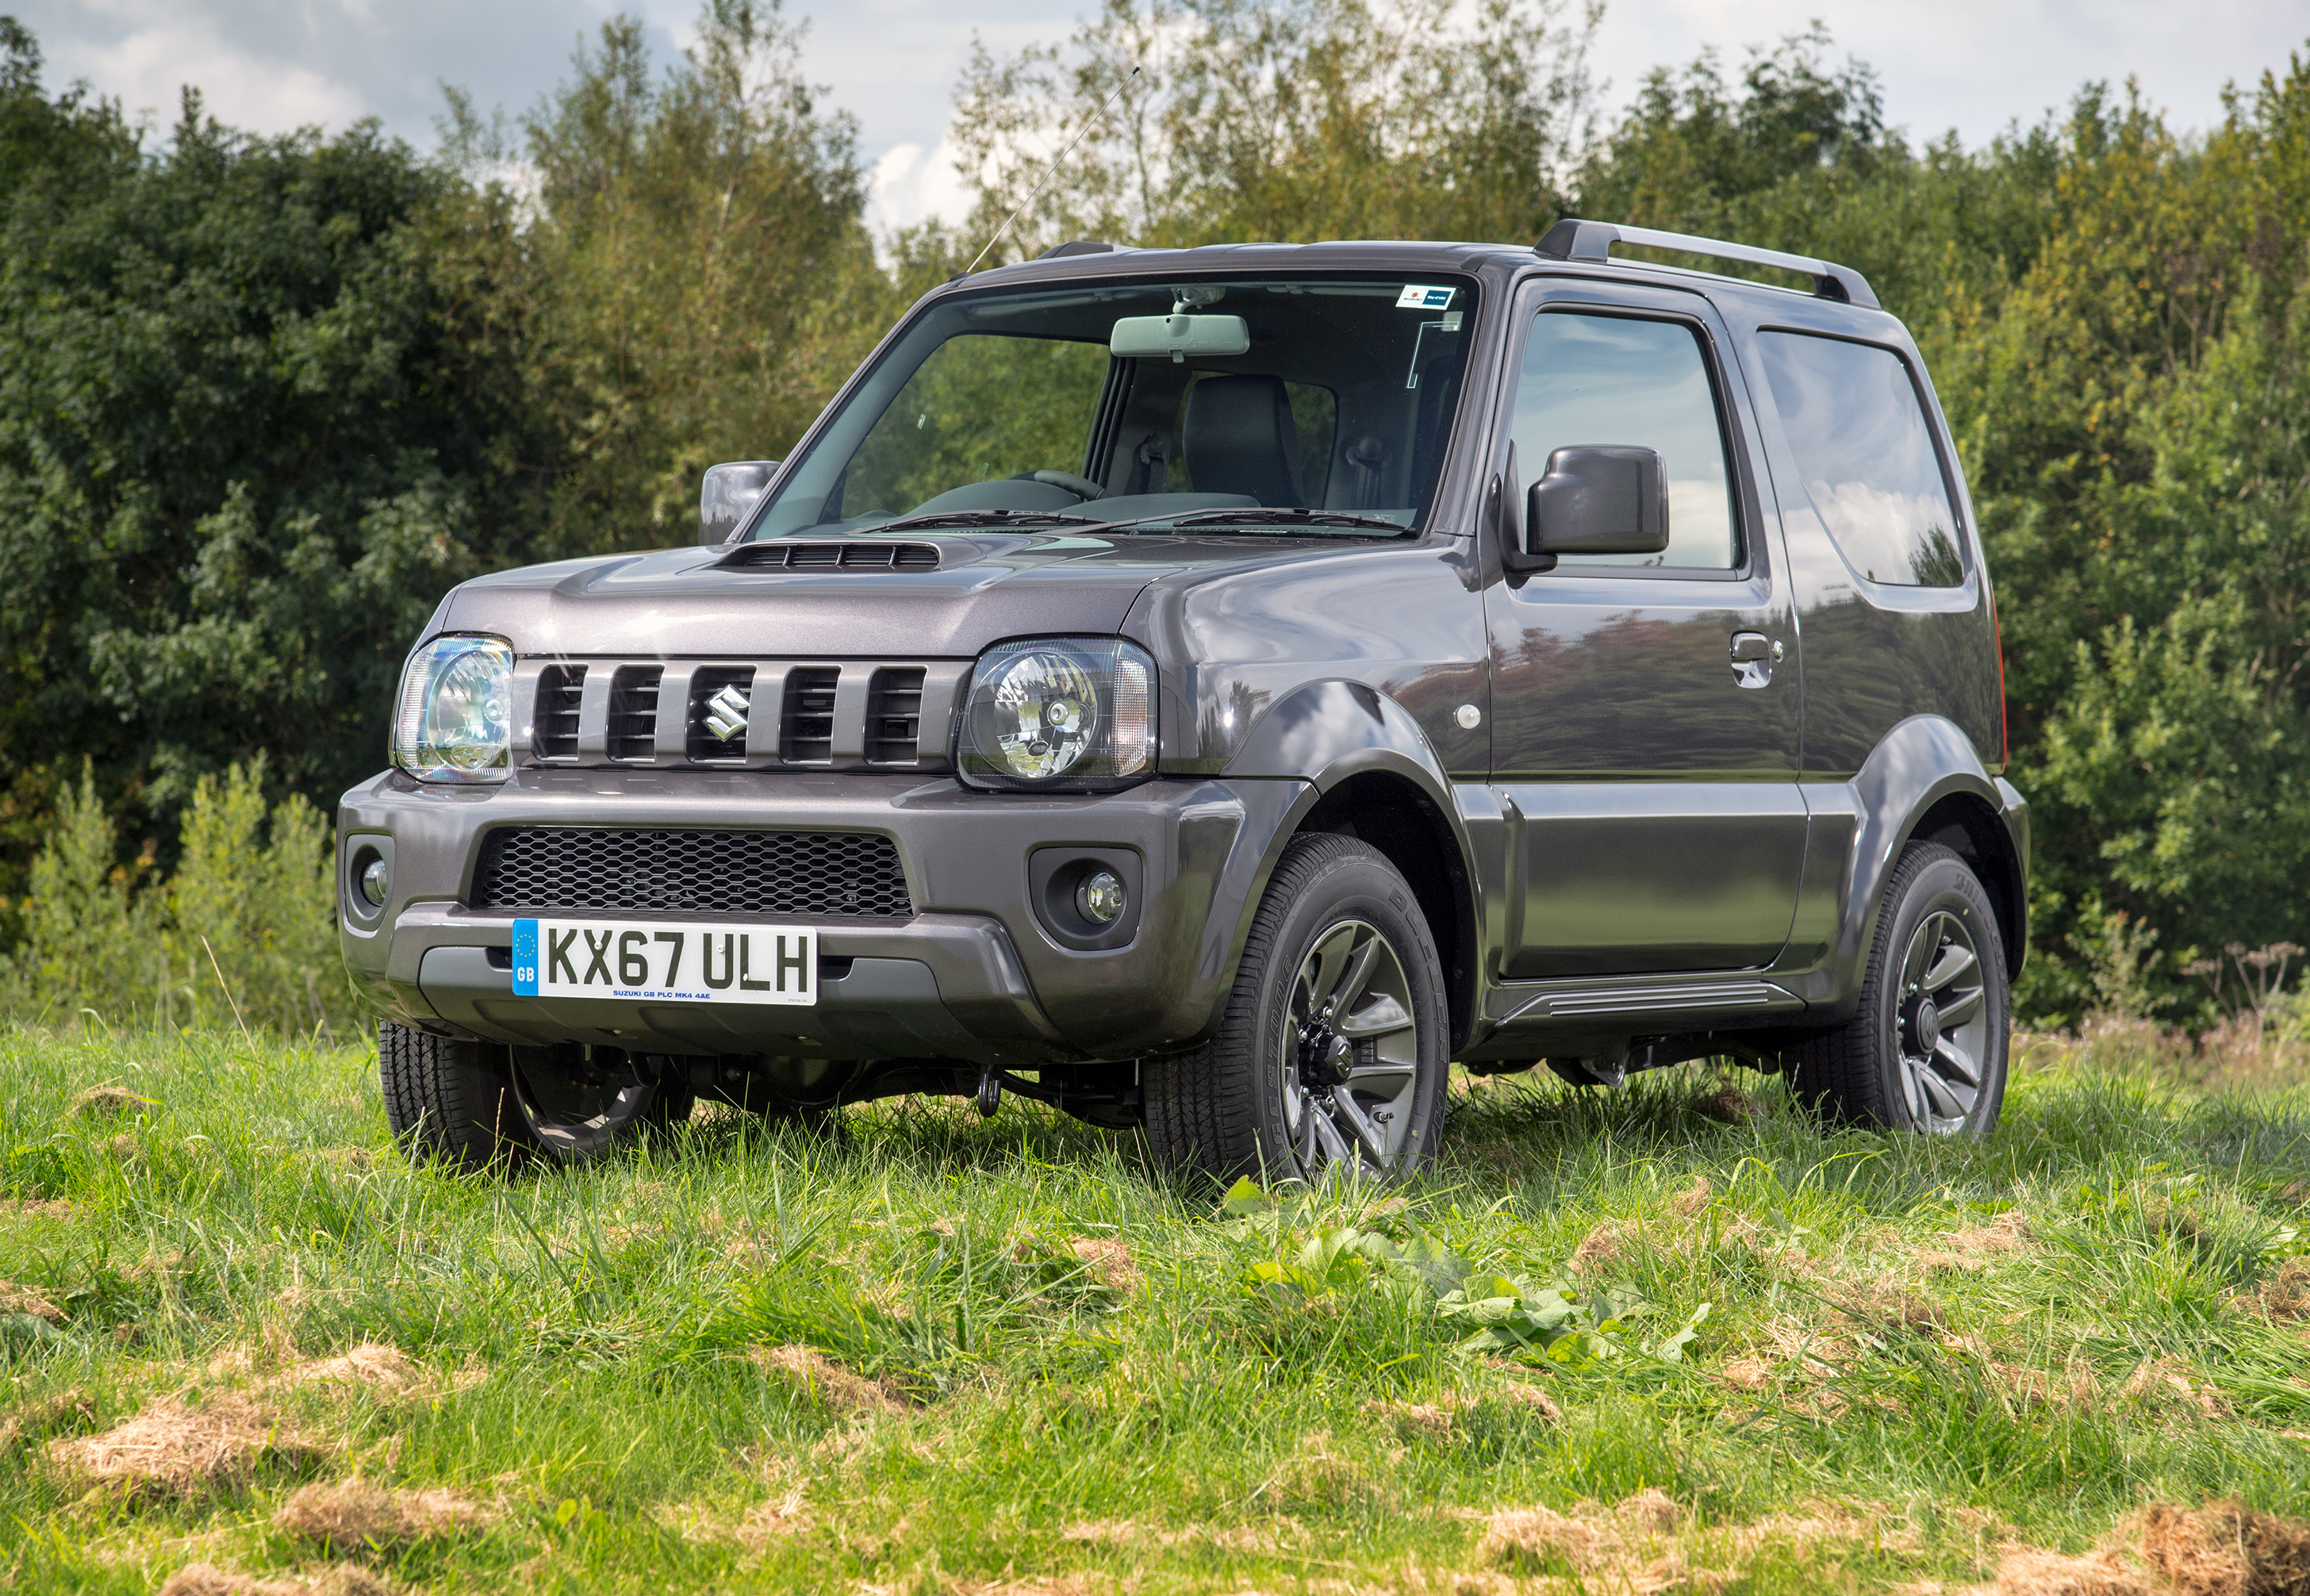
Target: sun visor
[(1153, 337)]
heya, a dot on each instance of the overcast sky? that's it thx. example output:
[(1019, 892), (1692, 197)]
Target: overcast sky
[(273, 64)]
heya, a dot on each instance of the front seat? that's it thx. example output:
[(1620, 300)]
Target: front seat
[(1239, 438)]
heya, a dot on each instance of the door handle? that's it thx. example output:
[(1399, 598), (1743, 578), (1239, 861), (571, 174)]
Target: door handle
[(1754, 655)]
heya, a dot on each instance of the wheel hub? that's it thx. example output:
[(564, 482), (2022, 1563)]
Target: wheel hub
[(1925, 1026)]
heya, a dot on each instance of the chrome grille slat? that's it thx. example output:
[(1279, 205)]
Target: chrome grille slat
[(821, 715), (821, 874), (561, 690), (633, 713), (806, 736)]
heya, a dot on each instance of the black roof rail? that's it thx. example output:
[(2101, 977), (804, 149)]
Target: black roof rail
[(1572, 239), (1076, 247)]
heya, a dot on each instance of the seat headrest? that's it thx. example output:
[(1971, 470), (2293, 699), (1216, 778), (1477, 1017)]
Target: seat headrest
[(1239, 438)]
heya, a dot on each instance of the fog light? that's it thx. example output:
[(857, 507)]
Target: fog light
[(376, 883), (1101, 898)]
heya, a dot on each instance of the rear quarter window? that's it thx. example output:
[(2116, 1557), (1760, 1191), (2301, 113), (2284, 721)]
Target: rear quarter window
[(1858, 431)]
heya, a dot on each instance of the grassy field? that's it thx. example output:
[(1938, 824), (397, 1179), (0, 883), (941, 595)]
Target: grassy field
[(928, 1353)]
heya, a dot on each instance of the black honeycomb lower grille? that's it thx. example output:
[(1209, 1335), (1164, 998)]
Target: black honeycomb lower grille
[(559, 868)]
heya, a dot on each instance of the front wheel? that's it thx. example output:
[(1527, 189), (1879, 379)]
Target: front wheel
[(449, 1098), (1332, 1051), (1926, 1051)]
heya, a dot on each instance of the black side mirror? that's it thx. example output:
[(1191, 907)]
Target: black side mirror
[(727, 494), (1596, 500)]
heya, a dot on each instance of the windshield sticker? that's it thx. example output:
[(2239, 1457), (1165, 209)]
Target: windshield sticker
[(1423, 296)]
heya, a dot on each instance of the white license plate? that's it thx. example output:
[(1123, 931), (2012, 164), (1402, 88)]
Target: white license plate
[(632, 958)]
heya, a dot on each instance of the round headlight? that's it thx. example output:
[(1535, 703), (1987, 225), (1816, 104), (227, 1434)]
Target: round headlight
[(456, 719), (1072, 713), (1045, 713)]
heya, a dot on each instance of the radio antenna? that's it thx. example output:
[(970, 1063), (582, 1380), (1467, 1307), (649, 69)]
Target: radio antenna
[(1050, 172)]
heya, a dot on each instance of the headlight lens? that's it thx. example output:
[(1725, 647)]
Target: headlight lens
[(1059, 714), (454, 723)]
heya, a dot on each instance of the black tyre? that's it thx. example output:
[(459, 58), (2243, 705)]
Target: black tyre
[(578, 1106), (449, 1099), (1335, 1043), (1926, 1051)]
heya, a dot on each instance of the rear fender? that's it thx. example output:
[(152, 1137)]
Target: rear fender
[(1860, 827)]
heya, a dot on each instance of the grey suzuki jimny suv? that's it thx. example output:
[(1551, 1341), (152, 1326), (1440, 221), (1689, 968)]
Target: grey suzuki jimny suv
[(1212, 691)]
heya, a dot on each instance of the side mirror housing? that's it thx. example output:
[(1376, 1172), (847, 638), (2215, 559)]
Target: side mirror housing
[(1597, 500), (727, 492)]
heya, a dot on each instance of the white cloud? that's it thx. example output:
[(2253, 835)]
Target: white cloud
[(148, 67), (911, 185)]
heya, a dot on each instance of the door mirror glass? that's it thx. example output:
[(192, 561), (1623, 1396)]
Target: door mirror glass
[(1599, 499), (727, 493)]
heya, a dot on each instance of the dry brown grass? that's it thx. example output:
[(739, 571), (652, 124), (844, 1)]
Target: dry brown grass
[(1604, 1247), (1725, 1101), (1693, 1201), (2221, 1550), (1110, 1260), (109, 1102), (360, 1513), (23, 1299), (177, 1448), (35, 1208), (1976, 1246), (205, 1579), (1647, 1542), (825, 1382), (2286, 1295), (1322, 1470), (2162, 1382)]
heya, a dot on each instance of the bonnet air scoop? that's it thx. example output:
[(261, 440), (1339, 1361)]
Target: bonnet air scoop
[(830, 554)]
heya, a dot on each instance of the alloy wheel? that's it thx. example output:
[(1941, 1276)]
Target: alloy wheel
[(585, 1111), (1351, 1052), (1942, 1024)]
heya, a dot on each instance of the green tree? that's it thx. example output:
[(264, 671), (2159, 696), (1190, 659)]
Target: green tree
[(1293, 121)]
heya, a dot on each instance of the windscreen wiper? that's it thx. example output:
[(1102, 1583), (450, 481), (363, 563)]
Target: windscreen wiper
[(1285, 517), (984, 518)]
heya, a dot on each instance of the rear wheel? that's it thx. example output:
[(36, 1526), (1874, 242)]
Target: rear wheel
[(579, 1103), (1927, 1049), (449, 1098), (1332, 1048)]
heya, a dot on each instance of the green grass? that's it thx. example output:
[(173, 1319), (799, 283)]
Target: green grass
[(621, 1437)]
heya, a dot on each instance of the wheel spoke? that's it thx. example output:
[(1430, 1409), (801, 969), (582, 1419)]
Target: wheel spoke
[(1955, 960), (1955, 1060), (1958, 1009), (1383, 1080), (1382, 1017), (1946, 1103), (1344, 1107), (1328, 1139), (1355, 976), (1324, 961), (1922, 946)]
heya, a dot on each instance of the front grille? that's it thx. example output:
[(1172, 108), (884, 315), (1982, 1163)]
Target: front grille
[(547, 869), (741, 714), (561, 690), (633, 713), (894, 716), (806, 736)]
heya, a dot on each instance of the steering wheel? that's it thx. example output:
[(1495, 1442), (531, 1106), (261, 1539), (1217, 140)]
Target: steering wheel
[(1080, 487)]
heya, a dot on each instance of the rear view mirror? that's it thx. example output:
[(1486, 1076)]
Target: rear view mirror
[(727, 493), (1152, 337), (1599, 499)]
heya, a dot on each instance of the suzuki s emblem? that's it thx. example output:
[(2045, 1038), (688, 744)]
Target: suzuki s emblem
[(725, 712)]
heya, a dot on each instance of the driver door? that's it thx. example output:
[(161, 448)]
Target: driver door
[(1647, 708)]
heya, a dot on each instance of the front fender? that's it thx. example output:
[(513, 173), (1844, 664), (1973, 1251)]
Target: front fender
[(1321, 736)]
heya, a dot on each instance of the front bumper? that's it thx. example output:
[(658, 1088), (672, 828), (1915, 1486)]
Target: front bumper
[(975, 973)]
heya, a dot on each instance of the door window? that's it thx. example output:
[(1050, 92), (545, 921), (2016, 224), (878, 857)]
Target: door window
[(1616, 380), (1858, 431)]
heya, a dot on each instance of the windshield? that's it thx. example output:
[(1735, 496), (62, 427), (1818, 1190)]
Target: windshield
[(1272, 407)]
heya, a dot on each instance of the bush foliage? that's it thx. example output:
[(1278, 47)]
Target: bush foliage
[(262, 401)]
